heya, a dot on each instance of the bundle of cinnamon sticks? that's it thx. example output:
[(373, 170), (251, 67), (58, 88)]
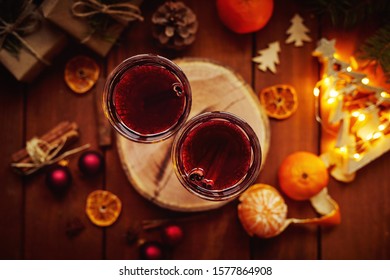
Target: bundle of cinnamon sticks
[(65, 133)]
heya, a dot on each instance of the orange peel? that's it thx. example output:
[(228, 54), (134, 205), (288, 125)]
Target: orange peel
[(81, 74), (103, 207), (279, 101)]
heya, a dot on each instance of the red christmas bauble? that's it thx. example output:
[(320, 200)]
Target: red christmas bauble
[(151, 250), (59, 179), (91, 163), (172, 234)]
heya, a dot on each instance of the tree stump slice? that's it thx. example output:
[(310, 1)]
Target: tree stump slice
[(214, 88)]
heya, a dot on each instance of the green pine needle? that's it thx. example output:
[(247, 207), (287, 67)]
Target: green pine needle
[(349, 13), (377, 48)]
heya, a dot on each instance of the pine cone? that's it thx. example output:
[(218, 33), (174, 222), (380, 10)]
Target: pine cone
[(174, 25)]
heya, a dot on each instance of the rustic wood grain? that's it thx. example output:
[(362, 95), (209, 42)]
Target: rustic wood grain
[(298, 133), (135, 208), (11, 189), (209, 27), (221, 235), (49, 102)]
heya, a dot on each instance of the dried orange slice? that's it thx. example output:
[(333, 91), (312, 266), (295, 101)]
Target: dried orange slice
[(302, 175), (262, 211), (103, 208), (81, 74), (280, 101)]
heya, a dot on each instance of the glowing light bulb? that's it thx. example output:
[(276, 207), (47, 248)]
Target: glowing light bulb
[(333, 93), (343, 150), (355, 114), (316, 92), (369, 137), (327, 81), (362, 117), (356, 156), (384, 94), (365, 81), (377, 135), (331, 100), (381, 127), (349, 69)]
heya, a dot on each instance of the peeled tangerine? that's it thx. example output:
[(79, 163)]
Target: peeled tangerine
[(262, 211)]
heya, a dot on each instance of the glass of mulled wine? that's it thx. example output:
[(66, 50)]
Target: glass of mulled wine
[(216, 155), (147, 98)]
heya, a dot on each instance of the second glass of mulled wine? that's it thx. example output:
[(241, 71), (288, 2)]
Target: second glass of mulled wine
[(216, 155)]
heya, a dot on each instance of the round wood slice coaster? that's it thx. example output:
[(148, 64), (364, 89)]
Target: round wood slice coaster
[(214, 88)]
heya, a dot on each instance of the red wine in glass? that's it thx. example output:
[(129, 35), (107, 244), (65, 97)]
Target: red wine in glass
[(147, 98), (216, 155)]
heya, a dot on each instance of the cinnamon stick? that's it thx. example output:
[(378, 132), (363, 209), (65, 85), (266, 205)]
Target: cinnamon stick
[(64, 131), (55, 134), (104, 127)]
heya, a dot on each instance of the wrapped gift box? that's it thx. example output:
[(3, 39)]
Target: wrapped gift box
[(47, 41), (60, 13)]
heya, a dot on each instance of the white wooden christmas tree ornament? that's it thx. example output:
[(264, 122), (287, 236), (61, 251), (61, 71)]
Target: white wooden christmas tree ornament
[(297, 32), (268, 57), (361, 110)]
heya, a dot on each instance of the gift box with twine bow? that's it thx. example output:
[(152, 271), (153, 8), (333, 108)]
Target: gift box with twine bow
[(97, 24), (28, 43)]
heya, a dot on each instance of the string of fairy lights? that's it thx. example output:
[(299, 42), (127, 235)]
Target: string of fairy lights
[(361, 110)]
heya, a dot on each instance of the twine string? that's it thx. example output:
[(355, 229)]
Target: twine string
[(43, 153), (27, 22), (122, 12)]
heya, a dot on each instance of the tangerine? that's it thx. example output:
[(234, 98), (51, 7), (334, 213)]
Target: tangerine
[(302, 175), (262, 211), (245, 16)]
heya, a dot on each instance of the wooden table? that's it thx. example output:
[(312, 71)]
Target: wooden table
[(33, 222)]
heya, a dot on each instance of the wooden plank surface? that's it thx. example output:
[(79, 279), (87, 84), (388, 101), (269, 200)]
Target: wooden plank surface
[(202, 48), (35, 221), (11, 186), (300, 131), (49, 102)]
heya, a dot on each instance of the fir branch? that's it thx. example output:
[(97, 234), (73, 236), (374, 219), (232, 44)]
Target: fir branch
[(349, 13), (377, 48)]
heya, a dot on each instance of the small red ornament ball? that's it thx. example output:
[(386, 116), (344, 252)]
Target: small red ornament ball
[(151, 250), (58, 179), (91, 163), (172, 234)]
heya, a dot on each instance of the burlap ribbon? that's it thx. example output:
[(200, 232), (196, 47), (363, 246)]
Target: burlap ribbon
[(122, 12), (27, 22)]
